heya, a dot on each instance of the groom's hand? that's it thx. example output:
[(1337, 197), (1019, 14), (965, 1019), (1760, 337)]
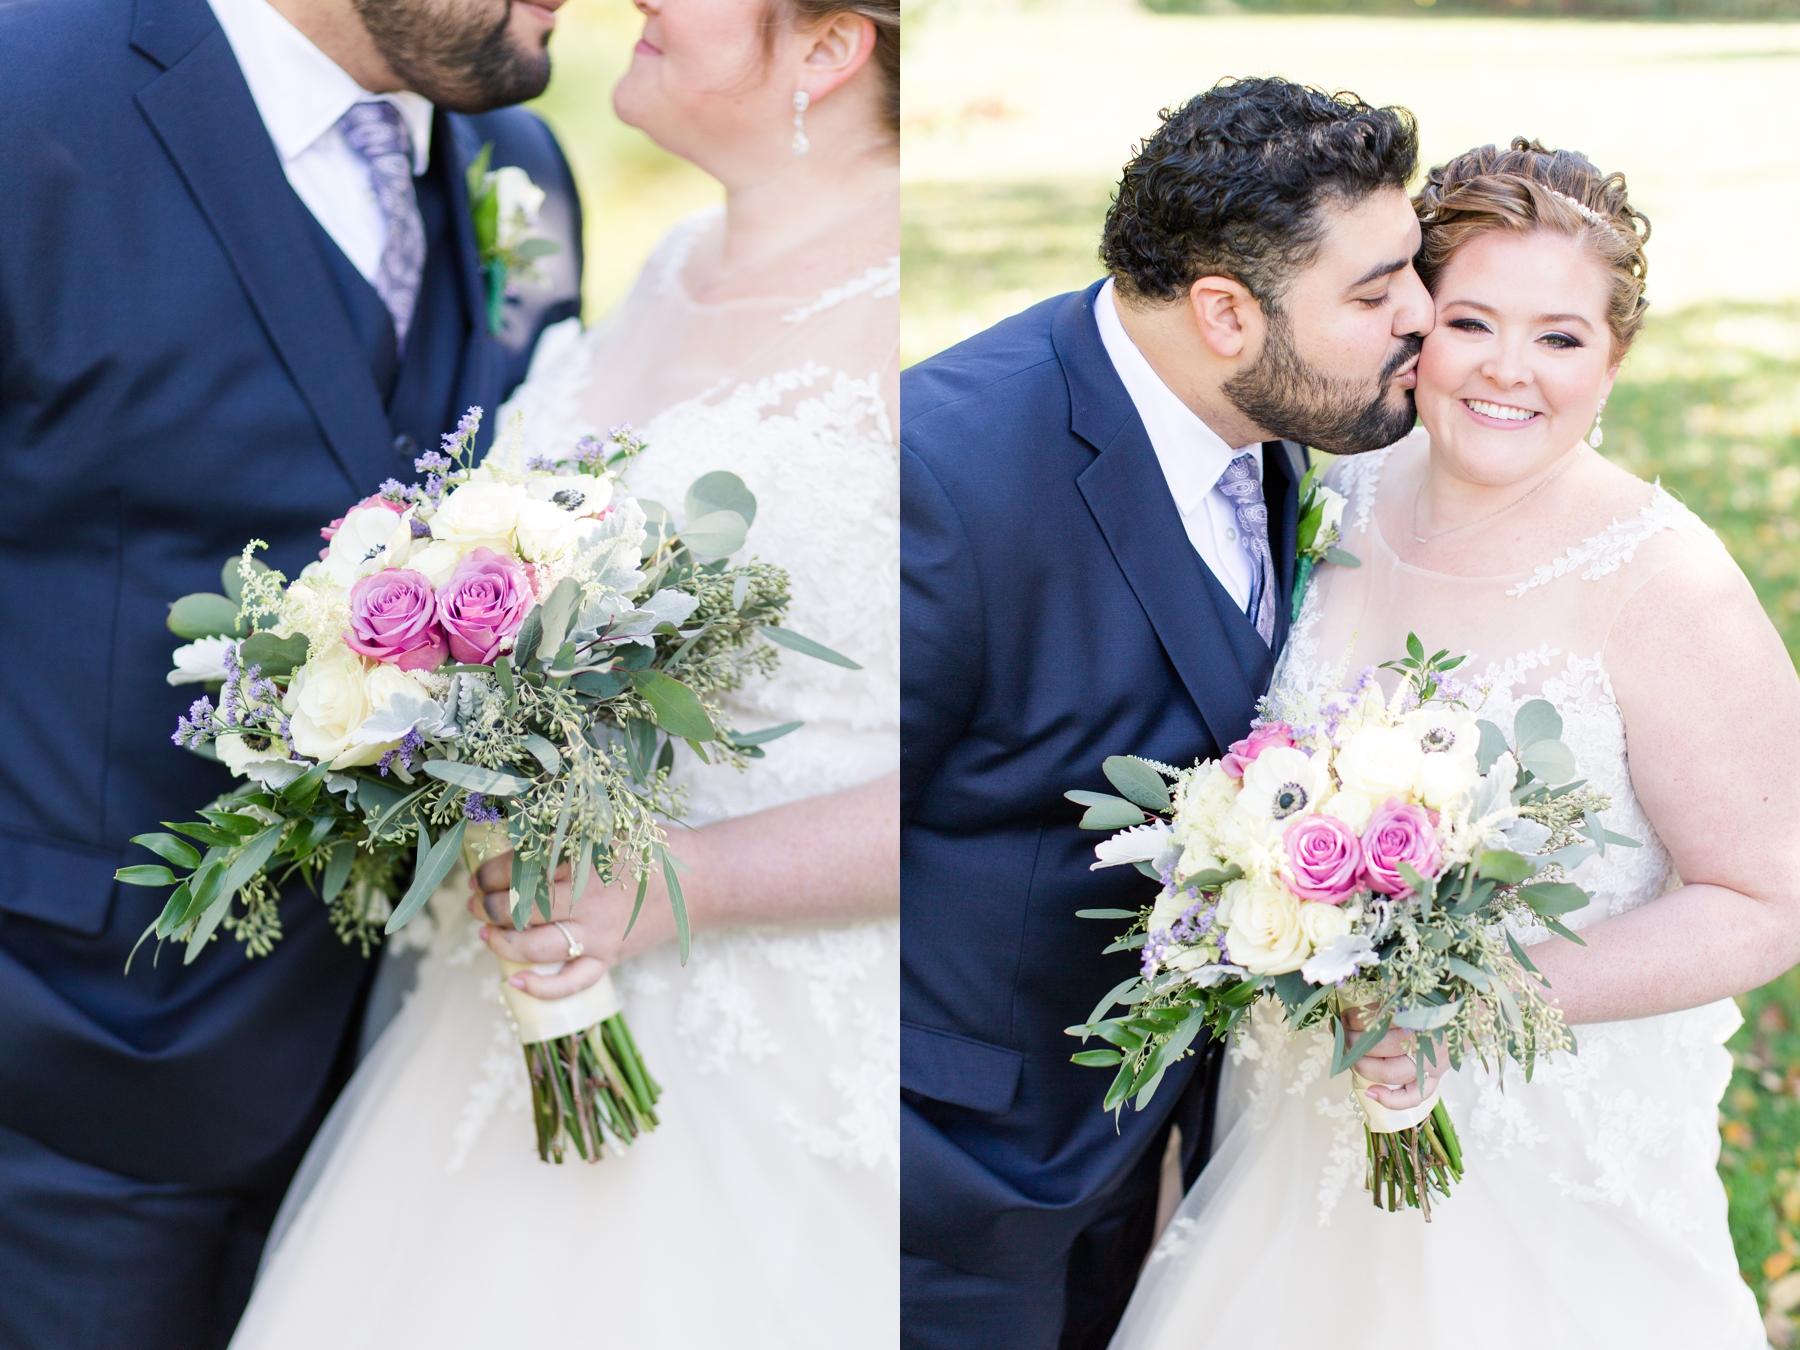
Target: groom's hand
[(1392, 1065), (597, 923)]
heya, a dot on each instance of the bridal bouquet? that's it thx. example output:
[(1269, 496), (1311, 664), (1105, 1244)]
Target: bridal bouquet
[(1354, 851), (501, 657)]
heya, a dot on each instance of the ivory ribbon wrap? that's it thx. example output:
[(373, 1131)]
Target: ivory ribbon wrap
[(1382, 1119), (546, 1019)]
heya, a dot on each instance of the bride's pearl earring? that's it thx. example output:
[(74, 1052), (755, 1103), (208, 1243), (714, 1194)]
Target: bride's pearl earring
[(1596, 436), (801, 101)]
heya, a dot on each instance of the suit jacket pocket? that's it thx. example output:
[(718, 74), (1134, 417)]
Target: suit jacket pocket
[(56, 883), (949, 1068)]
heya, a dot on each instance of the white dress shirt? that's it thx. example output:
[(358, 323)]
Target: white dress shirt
[(301, 93), (1191, 454)]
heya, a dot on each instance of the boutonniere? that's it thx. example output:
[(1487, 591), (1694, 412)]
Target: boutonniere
[(505, 204), (1321, 531)]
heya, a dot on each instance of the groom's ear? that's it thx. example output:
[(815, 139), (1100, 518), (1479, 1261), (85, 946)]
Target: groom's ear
[(1229, 319)]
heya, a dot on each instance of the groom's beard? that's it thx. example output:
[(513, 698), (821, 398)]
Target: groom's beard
[(454, 52), (1298, 403)]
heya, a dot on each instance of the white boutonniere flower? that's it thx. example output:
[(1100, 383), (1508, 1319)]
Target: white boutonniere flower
[(505, 205)]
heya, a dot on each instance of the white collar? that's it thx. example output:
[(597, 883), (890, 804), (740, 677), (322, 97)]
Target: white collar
[(300, 91), (1192, 454)]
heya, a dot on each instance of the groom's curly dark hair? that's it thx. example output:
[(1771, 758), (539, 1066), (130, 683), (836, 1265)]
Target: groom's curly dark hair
[(1232, 182)]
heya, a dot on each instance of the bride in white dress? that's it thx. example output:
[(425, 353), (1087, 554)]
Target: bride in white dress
[(1591, 1214), (760, 339)]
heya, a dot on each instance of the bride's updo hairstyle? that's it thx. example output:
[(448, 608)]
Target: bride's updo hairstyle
[(1527, 188)]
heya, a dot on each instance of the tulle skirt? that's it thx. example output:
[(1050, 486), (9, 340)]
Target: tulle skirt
[(1591, 1213), (762, 1213)]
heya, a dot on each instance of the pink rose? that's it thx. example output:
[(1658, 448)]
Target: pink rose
[(1324, 859), (483, 604), (329, 532), (393, 618), (1243, 753), (1399, 832)]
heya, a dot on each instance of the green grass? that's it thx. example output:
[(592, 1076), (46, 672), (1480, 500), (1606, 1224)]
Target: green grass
[(1709, 400)]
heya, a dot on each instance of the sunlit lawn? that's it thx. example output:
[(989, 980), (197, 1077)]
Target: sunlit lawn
[(1709, 400)]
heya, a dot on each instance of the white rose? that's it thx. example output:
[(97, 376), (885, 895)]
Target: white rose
[(1282, 783), (520, 200), (545, 531), (435, 562), (479, 515), (1331, 524), (1443, 779), (1380, 762), (1353, 808), (1262, 927), (328, 700), (361, 544), (1322, 923)]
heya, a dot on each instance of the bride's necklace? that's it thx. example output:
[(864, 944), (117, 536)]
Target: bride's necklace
[(1480, 520)]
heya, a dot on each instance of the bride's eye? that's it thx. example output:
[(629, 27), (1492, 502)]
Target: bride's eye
[(1562, 341), (1469, 326)]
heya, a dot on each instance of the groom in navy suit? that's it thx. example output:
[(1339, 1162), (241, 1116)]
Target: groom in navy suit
[(239, 288), (1098, 558)]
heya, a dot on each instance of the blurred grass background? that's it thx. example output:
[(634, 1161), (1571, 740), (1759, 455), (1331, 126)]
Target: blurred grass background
[(1018, 115)]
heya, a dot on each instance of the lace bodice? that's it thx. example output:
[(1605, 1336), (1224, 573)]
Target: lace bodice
[(1538, 634)]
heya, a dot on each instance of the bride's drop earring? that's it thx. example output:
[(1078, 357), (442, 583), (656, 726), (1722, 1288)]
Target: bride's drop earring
[(1596, 436), (802, 100)]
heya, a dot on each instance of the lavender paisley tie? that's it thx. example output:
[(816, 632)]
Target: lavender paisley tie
[(1242, 485), (377, 132)]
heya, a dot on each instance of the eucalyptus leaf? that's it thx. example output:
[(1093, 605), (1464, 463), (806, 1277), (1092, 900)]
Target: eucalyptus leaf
[(1493, 745), (146, 874), (1551, 761), (765, 735), (275, 657), (1340, 558), (1509, 869), (544, 752), (1105, 914), (785, 637), (1096, 1058), (677, 708), (1111, 814), (432, 870), (337, 871), (474, 778), (203, 615), (1536, 720), (1426, 1016), (717, 534), (1137, 781), (526, 640), (1554, 897), (720, 491), (677, 902), (209, 923)]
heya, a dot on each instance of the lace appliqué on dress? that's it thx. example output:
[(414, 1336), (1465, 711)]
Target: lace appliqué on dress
[(877, 283), (1605, 553)]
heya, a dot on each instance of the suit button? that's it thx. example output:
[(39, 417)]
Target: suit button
[(405, 446)]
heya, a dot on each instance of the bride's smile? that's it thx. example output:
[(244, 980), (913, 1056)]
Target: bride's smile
[(1513, 375)]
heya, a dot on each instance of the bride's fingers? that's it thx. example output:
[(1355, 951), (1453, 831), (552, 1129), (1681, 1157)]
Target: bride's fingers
[(571, 979), (1395, 1098), (536, 945), (495, 874), (1392, 1069)]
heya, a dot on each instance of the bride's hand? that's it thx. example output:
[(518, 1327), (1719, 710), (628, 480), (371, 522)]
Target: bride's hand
[(597, 923), (1392, 1065)]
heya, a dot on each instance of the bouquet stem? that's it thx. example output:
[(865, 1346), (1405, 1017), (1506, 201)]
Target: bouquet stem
[(1411, 1165), (589, 1086)]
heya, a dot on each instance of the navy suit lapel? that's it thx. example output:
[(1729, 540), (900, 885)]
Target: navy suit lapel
[(1221, 660), (203, 113), (1281, 492)]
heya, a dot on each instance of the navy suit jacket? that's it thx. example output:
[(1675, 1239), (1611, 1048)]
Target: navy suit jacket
[(1053, 612), (185, 364)]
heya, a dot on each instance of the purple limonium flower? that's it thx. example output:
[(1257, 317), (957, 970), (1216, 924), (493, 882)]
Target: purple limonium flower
[(420, 530), (410, 745), (478, 812), (590, 453), (541, 464), (197, 723)]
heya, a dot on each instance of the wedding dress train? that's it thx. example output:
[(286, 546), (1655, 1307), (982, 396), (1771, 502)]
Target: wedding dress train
[(764, 1210), (1591, 1213)]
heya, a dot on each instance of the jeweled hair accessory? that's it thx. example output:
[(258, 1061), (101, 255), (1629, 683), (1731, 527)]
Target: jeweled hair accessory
[(1587, 212)]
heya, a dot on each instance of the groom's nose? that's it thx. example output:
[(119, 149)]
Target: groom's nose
[(1414, 313)]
